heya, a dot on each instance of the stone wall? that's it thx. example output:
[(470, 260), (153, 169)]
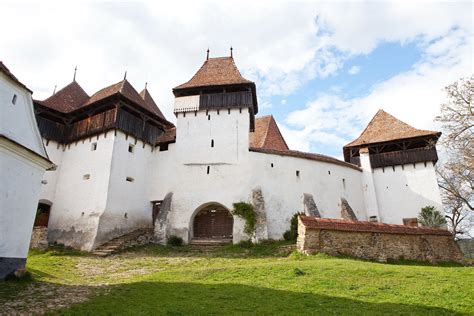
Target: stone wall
[(39, 238), (375, 241)]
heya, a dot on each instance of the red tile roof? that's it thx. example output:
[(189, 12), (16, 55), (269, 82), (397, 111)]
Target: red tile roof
[(214, 72), (68, 99), (304, 155), (9, 74), (169, 136), (368, 227), (384, 127), (267, 135)]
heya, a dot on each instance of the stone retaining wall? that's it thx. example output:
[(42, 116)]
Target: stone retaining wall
[(375, 241), (39, 238)]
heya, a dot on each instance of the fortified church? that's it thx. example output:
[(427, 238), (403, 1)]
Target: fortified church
[(122, 166)]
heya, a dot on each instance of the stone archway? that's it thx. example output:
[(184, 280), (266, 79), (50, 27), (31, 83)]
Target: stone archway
[(212, 221)]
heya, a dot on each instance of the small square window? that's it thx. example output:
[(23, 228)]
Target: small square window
[(131, 148), (14, 99), (86, 176), (94, 146)]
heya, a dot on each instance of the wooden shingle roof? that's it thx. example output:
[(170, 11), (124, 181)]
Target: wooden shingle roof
[(215, 72), (68, 99), (150, 103), (267, 135), (384, 128)]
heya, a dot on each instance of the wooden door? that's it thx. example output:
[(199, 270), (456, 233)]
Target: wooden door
[(215, 223)]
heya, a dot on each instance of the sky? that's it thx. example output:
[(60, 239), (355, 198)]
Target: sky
[(322, 69)]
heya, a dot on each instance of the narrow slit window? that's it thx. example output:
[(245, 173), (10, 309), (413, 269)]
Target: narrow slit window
[(94, 146), (212, 143), (130, 179), (14, 99), (344, 183), (329, 172), (297, 173), (208, 169), (131, 148), (271, 164)]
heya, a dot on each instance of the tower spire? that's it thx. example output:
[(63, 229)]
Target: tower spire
[(231, 49), (146, 84), (207, 58), (75, 71), (125, 75), (54, 91)]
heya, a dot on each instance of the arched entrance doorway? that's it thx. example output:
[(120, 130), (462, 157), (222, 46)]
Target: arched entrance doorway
[(213, 221), (42, 214)]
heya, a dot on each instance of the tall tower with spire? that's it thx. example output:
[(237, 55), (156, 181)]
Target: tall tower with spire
[(215, 111)]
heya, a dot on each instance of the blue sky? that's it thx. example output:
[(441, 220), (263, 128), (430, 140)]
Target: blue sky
[(386, 61), (322, 69)]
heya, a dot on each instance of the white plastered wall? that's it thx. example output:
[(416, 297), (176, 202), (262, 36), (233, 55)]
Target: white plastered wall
[(403, 191)]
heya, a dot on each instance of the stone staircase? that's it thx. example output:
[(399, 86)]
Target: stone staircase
[(208, 245), (137, 237)]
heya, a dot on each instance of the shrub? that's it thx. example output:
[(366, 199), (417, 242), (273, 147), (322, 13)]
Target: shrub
[(292, 233), (247, 213), (245, 244), (175, 241), (430, 217)]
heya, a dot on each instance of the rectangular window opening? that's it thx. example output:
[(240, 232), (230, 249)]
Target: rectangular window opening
[(14, 99), (94, 146), (208, 169), (130, 179), (297, 173), (271, 164), (131, 148), (86, 177), (212, 143)]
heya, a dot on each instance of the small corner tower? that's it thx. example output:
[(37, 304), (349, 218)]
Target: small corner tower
[(397, 161), (215, 111)]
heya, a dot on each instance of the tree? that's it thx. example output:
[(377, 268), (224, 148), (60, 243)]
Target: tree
[(456, 175), (431, 217)]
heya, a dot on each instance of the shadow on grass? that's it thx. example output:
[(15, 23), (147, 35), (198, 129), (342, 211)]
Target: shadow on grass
[(267, 249), (152, 298)]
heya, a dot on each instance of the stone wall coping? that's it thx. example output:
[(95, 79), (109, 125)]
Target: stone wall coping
[(369, 227)]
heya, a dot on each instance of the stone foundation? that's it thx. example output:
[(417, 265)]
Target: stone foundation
[(375, 241), (10, 265), (39, 238)]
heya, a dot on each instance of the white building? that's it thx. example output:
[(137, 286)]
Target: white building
[(23, 161), (122, 165)]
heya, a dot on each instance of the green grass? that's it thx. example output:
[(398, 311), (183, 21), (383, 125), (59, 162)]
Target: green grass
[(263, 280)]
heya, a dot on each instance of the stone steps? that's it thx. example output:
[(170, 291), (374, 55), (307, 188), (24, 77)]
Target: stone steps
[(208, 245), (120, 243)]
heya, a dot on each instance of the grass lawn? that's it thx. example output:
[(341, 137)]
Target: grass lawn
[(264, 280)]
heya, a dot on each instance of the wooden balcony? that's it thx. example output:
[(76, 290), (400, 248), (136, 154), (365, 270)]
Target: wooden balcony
[(226, 100), (401, 157)]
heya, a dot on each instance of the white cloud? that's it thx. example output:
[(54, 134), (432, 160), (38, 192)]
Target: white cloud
[(354, 70), (280, 45), (413, 96)]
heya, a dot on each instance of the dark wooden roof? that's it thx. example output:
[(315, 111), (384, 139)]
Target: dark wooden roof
[(150, 103), (10, 75), (368, 227), (68, 99), (384, 128), (215, 72), (267, 135), (73, 97)]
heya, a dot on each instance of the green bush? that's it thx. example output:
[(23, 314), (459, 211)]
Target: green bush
[(247, 213), (430, 217), (175, 241), (292, 233), (245, 244)]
